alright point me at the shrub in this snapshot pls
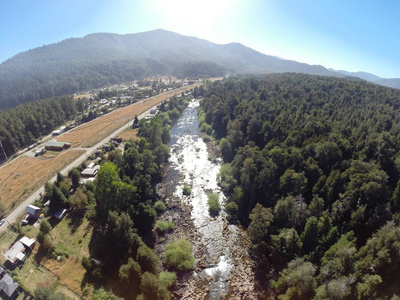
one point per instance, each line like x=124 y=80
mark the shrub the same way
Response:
x=206 y=128
x=206 y=139
x=162 y=226
x=232 y=209
x=187 y=190
x=160 y=207
x=178 y=255
x=167 y=279
x=213 y=204
x=147 y=259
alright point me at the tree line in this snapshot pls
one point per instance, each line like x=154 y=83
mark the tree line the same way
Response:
x=311 y=167
x=25 y=124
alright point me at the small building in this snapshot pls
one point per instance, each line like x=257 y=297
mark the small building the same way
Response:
x=118 y=140
x=16 y=253
x=27 y=242
x=59 y=131
x=90 y=172
x=33 y=211
x=60 y=213
x=8 y=285
x=56 y=146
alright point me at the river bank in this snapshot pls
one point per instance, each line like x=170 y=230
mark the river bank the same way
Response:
x=223 y=266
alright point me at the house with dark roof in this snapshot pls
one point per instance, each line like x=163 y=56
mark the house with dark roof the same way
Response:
x=8 y=285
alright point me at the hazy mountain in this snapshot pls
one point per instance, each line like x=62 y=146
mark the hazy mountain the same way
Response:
x=99 y=59
x=389 y=82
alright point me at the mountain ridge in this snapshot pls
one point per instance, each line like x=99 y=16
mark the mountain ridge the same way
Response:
x=98 y=59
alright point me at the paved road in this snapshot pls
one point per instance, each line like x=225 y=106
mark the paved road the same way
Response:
x=12 y=217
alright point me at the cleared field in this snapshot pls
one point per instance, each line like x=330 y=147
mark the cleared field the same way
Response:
x=69 y=272
x=93 y=132
x=32 y=276
x=82 y=96
x=25 y=174
x=129 y=134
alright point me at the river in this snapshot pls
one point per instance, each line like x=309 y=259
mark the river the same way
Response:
x=190 y=164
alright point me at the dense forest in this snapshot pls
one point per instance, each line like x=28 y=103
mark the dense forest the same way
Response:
x=311 y=168
x=24 y=124
x=122 y=207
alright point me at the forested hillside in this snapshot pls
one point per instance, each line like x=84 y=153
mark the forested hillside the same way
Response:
x=101 y=59
x=23 y=125
x=311 y=166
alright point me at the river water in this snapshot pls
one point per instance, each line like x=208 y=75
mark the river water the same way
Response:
x=190 y=164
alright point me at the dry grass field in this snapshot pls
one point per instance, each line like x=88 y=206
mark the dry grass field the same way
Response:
x=69 y=272
x=25 y=174
x=93 y=132
x=129 y=134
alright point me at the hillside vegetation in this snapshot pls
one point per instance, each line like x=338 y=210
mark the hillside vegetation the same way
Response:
x=313 y=165
x=101 y=59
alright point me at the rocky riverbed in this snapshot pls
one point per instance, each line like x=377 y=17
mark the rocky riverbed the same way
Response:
x=223 y=266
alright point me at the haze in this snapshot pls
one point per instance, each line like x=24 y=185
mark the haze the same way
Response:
x=353 y=36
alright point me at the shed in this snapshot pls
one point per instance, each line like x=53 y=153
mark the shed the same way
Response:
x=116 y=139
x=33 y=211
x=92 y=172
x=57 y=146
x=8 y=285
x=15 y=253
x=27 y=242
x=60 y=213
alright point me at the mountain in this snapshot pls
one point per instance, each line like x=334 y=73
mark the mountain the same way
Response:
x=389 y=82
x=99 y=59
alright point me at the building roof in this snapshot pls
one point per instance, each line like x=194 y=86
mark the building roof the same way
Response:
x=13 y=253
x=27 y=241
x=7 y=285
x=60 y=213
x=90 y=172
x=32 y=210
x=55 y=144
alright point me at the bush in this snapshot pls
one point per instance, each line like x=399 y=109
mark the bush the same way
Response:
x=187 y=190
x=147 y=259
x=178 y=255
x=232 y=209
x=162 y=226
x=206 y=128
x=160 y=207
x=167 y=279
x=206 y=139
x=213 y=204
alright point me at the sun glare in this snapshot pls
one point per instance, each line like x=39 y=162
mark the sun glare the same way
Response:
x=198 y=18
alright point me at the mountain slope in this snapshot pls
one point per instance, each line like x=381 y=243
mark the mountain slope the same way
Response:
x=389 y=82
x=99 y=59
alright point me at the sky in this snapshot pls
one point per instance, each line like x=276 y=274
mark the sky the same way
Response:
x=340 y=34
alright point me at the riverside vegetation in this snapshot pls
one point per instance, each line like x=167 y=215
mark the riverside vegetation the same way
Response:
x=311 y=167
x=122 y=208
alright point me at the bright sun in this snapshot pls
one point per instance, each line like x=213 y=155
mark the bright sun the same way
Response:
x=202 y=18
